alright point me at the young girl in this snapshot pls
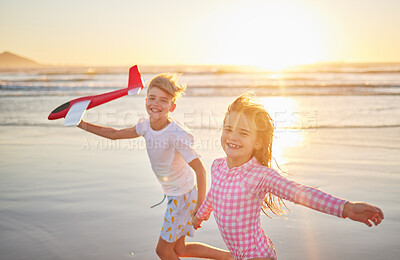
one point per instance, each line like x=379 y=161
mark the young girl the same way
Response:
x=243 y=184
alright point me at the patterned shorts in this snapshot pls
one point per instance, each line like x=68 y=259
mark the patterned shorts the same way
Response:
x=177 y=218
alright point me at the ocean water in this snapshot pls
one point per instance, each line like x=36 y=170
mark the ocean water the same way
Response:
x=317 y=79
x=313 y=96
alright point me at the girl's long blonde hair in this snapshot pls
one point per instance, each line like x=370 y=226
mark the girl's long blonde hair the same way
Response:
x=251 y=107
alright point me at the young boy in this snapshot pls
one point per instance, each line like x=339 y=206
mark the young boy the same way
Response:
x=172 y=159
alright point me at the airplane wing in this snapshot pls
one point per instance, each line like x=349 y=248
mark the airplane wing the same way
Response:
x=76 y=112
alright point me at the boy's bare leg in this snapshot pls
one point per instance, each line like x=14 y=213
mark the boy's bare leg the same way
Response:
x=165 y=250
x=200 y=250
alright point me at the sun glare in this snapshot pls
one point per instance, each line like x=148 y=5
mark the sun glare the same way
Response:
x=271 y=36
x=288 y=123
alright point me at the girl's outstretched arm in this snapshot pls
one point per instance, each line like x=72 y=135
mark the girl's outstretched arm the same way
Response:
x=304 y=195
x=363 y=212
x=109 y=132
x=318 y=200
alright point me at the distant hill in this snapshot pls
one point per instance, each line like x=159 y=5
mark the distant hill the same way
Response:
x=10 y=60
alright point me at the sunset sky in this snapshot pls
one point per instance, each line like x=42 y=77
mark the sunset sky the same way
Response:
x=253 y=32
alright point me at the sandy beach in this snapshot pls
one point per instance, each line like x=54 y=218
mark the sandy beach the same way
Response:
x=67 y=194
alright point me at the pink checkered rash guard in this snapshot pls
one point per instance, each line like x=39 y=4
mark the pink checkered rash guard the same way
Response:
x=236 y=196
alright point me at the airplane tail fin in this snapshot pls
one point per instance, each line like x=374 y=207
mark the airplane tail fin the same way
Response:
x=135 y=82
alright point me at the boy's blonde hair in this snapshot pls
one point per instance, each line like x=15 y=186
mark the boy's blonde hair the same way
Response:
x=169 y=83
x=249 y=105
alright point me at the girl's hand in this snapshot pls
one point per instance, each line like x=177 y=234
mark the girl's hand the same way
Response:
x=363 y=212
x=196 y=222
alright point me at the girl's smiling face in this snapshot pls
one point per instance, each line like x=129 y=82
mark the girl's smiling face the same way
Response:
x=159 y=104
x=239 y=138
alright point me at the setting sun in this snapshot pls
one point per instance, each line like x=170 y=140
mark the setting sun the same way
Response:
x=270 y=36
x=266 y=34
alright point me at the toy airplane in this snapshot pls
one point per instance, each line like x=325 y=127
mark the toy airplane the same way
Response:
x=73 y=110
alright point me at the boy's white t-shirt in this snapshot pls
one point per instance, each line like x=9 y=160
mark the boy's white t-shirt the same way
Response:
x=170 y=150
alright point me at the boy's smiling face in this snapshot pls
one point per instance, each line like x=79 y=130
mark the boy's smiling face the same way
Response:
x=159 y=104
